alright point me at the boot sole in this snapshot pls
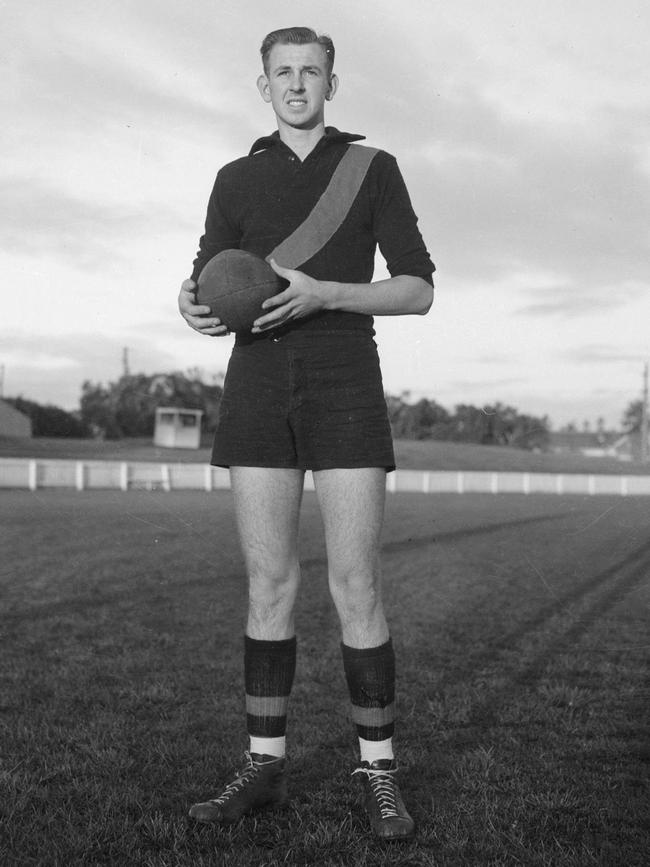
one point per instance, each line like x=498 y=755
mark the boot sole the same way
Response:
x=270 y=807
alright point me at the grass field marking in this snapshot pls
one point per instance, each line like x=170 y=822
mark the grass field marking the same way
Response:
x=635 y=562
x=531 y=671
x=540 y=575
x=148 y=523
x=594 y=521
x=626 y=576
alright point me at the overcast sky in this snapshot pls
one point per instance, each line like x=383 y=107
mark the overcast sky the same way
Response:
x=522 y=129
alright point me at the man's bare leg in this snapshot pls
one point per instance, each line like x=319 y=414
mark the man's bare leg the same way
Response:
x=352 y=506
x=267 y=508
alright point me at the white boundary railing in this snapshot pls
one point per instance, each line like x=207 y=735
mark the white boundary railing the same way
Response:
x=33 y=474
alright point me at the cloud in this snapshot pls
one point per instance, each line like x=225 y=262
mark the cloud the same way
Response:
x=483 y=385
x=53 y=370
x=601 y=353
x=498 y=190
x=148 y=64
x=110 y=90
x=580 y=301
x=494 y=358
x=38 y=219
x=74 y=350
x=507 y=196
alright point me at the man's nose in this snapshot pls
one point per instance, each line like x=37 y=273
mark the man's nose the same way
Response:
x=297 y=83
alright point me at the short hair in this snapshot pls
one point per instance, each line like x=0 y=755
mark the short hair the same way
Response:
x=297 y=36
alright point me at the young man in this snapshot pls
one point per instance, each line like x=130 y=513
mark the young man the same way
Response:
x=303 y=391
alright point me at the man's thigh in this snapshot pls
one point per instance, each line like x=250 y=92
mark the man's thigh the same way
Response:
x=352 y=508
x=267 y=507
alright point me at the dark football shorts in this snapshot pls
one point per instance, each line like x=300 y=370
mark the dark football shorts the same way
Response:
x=308 y=399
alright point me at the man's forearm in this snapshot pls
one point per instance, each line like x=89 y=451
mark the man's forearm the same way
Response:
x=393 y=297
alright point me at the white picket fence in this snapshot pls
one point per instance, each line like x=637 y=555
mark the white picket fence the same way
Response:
x=33 y=474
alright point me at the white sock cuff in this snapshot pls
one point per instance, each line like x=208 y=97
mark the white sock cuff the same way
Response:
x=373 y=750
x=269 y=746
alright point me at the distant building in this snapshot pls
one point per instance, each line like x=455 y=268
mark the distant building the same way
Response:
x=14 y=423
x=589 y=444
x=598 y=444
x=628 y=447
x=177 y=428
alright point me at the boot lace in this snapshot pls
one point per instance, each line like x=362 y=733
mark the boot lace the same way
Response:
x=247 y=773
x=384 y=788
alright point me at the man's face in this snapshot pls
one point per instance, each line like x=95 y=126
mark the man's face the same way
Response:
x=297 y=84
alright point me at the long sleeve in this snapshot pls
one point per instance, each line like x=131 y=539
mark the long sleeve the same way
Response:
x=220 y=234
x=395 y=224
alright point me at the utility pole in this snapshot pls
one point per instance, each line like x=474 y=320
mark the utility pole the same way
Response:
x=125 y=361
x=644 y=416
x=2 y=381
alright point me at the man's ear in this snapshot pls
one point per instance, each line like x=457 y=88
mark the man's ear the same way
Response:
x=334 y=84
x=263 y=87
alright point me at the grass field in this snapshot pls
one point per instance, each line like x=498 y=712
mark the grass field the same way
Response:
x=521 y=629
x=410 y=455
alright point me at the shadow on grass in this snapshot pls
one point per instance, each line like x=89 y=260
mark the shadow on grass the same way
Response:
x=627 y=575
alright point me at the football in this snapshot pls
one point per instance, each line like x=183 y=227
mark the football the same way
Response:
x=233 y=284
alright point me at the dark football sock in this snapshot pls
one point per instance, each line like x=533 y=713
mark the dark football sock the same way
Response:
x=269 y=668
x=370 y=674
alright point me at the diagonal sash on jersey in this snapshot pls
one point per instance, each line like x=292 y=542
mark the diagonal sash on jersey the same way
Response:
x=328 y=213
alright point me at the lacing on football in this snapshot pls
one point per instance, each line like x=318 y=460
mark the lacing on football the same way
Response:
x=384 y=789
x=245 y=775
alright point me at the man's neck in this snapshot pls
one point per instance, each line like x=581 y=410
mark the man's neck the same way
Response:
x=301 y=141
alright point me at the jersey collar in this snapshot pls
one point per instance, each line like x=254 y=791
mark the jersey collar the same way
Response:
x=332 y=136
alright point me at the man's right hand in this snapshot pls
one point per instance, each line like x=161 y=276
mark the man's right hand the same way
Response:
x=196 y=315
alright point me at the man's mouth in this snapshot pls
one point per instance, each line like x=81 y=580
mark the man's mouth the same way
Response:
x=297 y=101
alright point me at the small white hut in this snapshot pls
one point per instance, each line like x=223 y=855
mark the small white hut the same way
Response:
x=177 y=428
x=14 y=423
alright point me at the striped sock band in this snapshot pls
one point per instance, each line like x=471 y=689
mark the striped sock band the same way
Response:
x=269 y=667
x=370 y=674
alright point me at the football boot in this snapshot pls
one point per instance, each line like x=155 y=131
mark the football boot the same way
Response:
x=389 y=818
x=260 y=784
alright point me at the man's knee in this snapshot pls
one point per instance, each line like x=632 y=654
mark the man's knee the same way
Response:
x=356 y=587
x=271 y=601
x=271 y=583
x=273 y=586
x=357 y=597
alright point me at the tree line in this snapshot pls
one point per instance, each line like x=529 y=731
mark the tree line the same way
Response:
x=127 y=408
x=493 y=424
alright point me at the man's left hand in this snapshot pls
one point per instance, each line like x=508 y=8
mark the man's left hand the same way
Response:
x=302 y=297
